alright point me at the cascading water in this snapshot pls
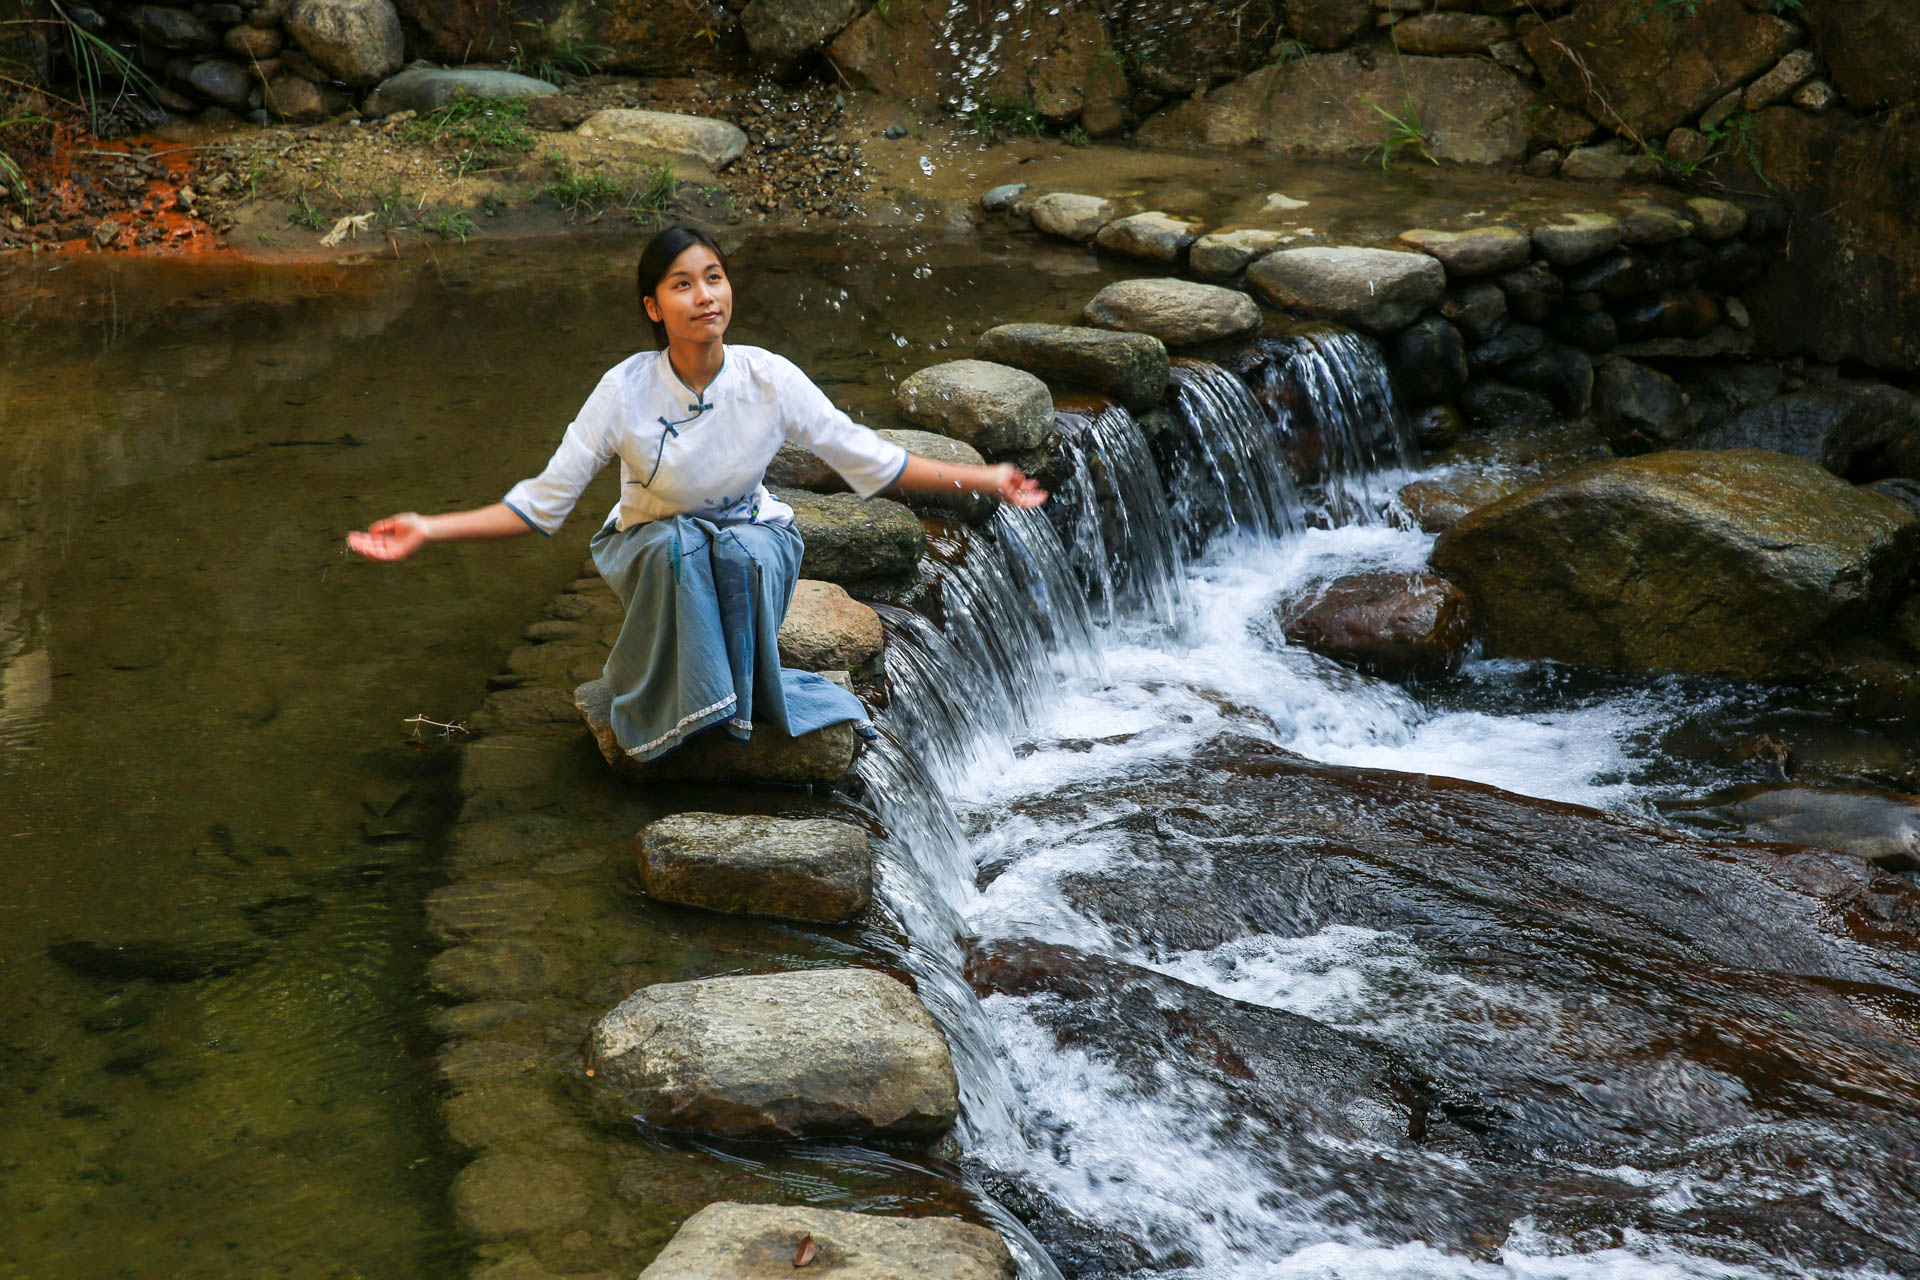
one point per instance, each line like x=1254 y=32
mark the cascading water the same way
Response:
x=1157 y=1032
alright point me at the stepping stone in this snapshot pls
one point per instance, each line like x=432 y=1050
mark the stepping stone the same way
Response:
x=1071 y=216
x=823 y=1052
x=797 y=869
x=1379 y=290
x=1220 y=254
x=821 y=758
x=854 y=539
x=1483 y=251
x=1132 y=367
x=714 y=143
x=993 y=407
x=963 y=504
x=728 y=1241
x=423 y=89
x=1156 y=237
x=828 y=630
x=1180 y=313
x=1573 y=238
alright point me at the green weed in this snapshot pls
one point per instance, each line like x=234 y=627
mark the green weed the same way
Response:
x=95 y=62
x=1075 y=137
x=1400 y=132
x=10 y=175
x=448 y=226
x=304 y=214
x=551 y=55
x=1006 y=117
x=580 y=193
x=482 y=133
x=653 y=199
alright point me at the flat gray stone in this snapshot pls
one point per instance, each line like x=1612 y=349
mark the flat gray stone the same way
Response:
x=1071 y=216
x=847 y=1052
x=1132 y=367
x=1221 y=254
x=728 y=1241
x=828 y=630
x=821 y=758
x=1155 y=237
x=1181 y=313
x=1379 y=290
x=1573 y=238
x=1482 y=251
x=793 y=868
x=714 y=143
x=1001 y=198
x=993 y=407
x=424 y=89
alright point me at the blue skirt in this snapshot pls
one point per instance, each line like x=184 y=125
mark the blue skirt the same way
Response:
x=700 y=644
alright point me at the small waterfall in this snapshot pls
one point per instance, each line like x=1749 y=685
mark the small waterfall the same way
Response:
x=1334 y=388
x=1124 y=545
x=1223 y=471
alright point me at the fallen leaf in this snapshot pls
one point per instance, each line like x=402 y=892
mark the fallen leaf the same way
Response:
x=804 y=1254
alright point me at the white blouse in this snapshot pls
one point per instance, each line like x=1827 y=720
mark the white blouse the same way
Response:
x=682 y=454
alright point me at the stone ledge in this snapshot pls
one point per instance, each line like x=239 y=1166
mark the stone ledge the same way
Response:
x=727 y=1241
x=821 y=758
x=797 y=869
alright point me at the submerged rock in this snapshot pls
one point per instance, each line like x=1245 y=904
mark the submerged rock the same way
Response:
x=993 y=407
x=1180 y=313
x=853 y=539
x=821 y=758
x=1132 y=367
x=1727 y=563
x=505 y=1194
x=154 y=961
x=1392 y=624
x=828 y=630
x=1874 y=825
x=797 y=869
x=841 y=1052
x=1379 y=290
x=728 y=1241
x=714 y=143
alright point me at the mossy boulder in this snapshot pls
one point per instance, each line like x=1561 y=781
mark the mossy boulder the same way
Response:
x=1733 y=563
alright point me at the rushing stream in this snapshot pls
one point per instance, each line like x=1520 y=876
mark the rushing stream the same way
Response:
x=1239 y=1014
x=1252 y=966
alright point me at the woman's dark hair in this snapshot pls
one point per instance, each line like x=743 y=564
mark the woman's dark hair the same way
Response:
x=658 y=256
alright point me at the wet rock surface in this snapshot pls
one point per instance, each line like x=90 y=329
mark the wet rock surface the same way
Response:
x=797 y=869
x=853 y=539
x=828 y=630
x=846 y=1052
x=1391 y=624
x=1130 y=366
x=1379 y=290
x=1873 y=825
x=963 y=504
x=993 y=407
x=1181 y=313
x=1731 y=563
x=743 y=1242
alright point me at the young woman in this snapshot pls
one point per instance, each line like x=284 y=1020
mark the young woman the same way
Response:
x=701 y=555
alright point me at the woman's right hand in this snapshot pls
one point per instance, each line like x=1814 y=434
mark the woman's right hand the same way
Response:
x=394 y=538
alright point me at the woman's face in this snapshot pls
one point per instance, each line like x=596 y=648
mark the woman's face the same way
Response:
x=694 y=300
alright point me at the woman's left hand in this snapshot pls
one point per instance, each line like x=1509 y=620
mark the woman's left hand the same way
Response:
x=1012 y=485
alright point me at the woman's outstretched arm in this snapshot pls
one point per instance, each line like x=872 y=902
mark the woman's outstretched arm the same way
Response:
x=399 y=536
x=1003 y=480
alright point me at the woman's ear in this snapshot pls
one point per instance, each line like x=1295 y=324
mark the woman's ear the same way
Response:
x=653 y=308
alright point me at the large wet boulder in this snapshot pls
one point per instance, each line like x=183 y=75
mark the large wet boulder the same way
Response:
x=821 y=758
x=727 y=1241
x=853 y=539
x=1379 y=290
x=783 y=34
x=714 y=143
x=358 y=41
x=1181 y=313
x=1661 y=69
x=1132 y=367
x=1732 y=563
x=823 y=1052
x=993 y=407
x=1472 y=111
x=828 y=630
x=1875 y=825
x=1392 y=624
x=423 y=89
x=1858 y=430
x=793 y=868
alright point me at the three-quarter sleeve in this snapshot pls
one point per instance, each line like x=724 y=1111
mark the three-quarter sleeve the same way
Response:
x=591 y=440
x=866 y=462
